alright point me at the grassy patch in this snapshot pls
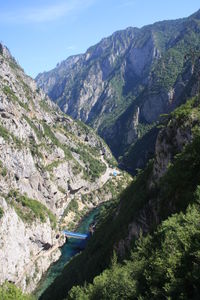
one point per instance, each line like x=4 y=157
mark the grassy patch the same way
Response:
x=53 y=165
x=61 y=189
x=34 y=127
x=49 y=133
x=29 y=209
x=3 y=170
x=11 y=95
x=6 y=135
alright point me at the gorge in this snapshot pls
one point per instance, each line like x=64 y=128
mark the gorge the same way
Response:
x=139 y=90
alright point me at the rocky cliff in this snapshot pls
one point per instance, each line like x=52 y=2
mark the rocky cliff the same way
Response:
x=121 y=85
x=47 y=160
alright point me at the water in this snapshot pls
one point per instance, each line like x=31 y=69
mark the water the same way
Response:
x=71 y=248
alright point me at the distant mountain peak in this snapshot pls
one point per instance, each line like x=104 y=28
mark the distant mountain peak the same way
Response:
x=5 y=51
x=196 y=15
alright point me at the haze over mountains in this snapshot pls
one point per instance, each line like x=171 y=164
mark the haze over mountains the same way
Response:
x=121 y=85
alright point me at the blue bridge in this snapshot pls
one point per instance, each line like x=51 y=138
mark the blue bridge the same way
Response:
x=75 y=235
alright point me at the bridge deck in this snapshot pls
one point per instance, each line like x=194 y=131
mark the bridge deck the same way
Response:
x=75 y=235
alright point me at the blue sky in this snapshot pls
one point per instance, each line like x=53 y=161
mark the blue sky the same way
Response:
x=41 y=33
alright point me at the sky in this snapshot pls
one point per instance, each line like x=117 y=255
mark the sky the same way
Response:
x=41 y=33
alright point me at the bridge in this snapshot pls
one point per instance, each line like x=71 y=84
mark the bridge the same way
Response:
x=75 y=235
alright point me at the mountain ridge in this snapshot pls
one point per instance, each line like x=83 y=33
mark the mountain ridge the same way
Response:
x=139 y=68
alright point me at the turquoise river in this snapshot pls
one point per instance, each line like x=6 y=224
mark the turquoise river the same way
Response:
x=71 y=248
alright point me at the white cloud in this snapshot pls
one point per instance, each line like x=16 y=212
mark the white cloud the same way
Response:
x=45 y=13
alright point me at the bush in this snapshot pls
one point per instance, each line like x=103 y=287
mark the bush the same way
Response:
x=164 y=265
x=9 y=291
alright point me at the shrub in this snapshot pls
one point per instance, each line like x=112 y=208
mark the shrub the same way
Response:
x=9 y=291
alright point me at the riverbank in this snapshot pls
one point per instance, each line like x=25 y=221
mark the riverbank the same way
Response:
x=68 y=251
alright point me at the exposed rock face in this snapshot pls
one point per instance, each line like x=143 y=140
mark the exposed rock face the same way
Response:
x=178 y=132
x=170 y=142
x=134 y=68
x=46 y=160
x=19 y=247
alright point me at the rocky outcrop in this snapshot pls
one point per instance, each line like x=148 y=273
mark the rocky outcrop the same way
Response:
x=179 y=130
x=20 y=247
x=132 y=69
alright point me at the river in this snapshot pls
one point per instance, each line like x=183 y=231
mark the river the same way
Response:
x=71 y=248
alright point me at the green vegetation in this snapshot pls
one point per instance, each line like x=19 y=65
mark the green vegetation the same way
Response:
x=44 y=105
x=7 y=136
x=85 y=129
x=14 y=65
x=49 y=133
x=3 y=170
x=34 y=127
x=111 y=161
x=1 y=212
x=9 y=93
x=53 y=165
x=164 y=265
x=94 y=166
x=72 y=206
x=61 y=189
x=35 y=149
x=78 y=215
x=140 y=152
x=4 y=133
x=9 y=291
x=27 y=91
x=30 y=209
x=187 y=113
x=167 y=69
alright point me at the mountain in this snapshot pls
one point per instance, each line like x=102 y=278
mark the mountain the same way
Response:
x=47 y=163
x=146 y=244
x=121 y=85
